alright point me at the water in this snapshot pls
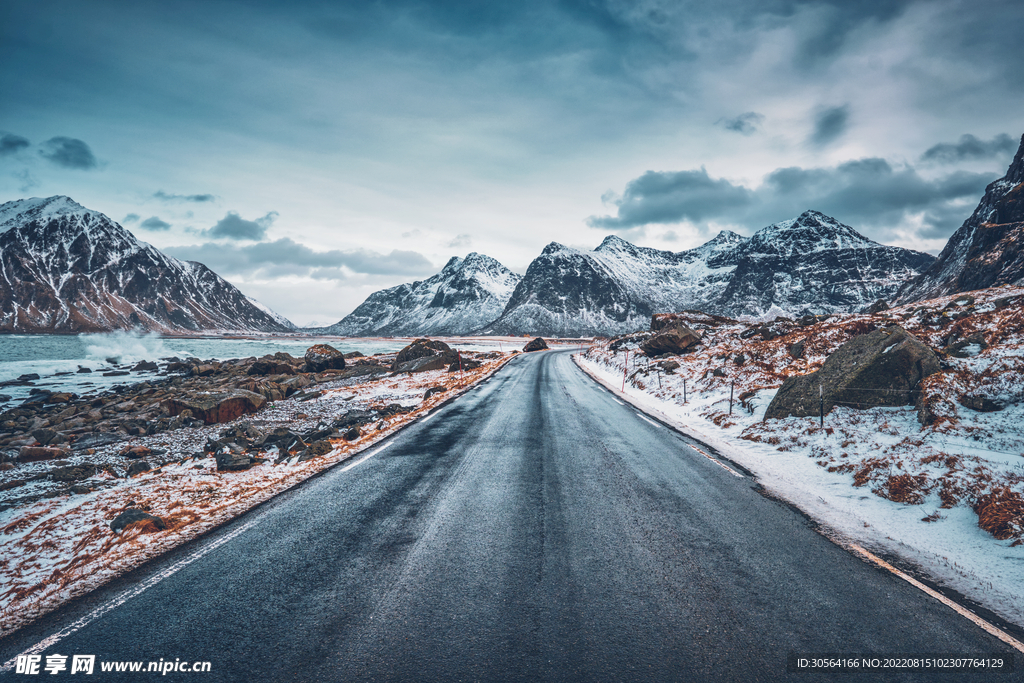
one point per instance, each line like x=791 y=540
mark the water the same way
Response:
x=47 y=355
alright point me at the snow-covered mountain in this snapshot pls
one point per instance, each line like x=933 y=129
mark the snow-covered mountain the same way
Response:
x=811 y=263
x=815 y=264
x=615 y=288
x=467 y=294
x=68 y=269
x=987 y=250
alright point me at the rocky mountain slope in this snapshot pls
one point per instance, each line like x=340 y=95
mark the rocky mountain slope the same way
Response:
x=467 y=294
x=987 y=250
x=67 y=269
x=615 y=288
x=815 y=264
x=810 y=264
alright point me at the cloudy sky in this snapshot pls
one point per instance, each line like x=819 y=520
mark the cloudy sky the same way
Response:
x=312 y=153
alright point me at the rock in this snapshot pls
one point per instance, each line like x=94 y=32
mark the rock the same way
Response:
x=320 y=357
x=138 y=467
x=353 y=354
x=423 y=364
x=113 y=360
x=96 y=440
x=877 y=307
x=30 y=377
x=354 y=418
x=424 y=348
x=136 y=452
x=967 y=347
x=84 y=370
x=432 y=391
x=982 y=404
x=61 y=397
x=73 y=472
x=271 y=366
x=669 y=366
x=740 y=359
x=718 y=372
x=4 y=398
x=229 y=460
x=35 y=453
x=116 y=373
x=80 y=489
x=394 y=409
x=217 y=408
x=796 y=350
x=352 y=434
x=13 y=484
x=316 y=449
x=535 y=344
x=674 y=341
x=44 y=435
x=881 y=368
x=132 y=515
x=464 y=364
x=145 y=366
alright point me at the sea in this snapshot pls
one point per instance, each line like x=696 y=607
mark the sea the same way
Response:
x=58 y=358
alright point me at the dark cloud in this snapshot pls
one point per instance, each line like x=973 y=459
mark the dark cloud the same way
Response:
x=234 y=227
x=869 y=194
x=131 y=218
x=199 y=198
x=154 y=223
x=10 y=143
x=969 y=147
x=670 y=197
x=829 y=124
x=69 y=153
x=285 y=257
x=747 y=123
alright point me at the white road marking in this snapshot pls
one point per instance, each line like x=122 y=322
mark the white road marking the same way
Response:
x=959 y=609
x=428 y=417
x=126 y=596
x=716 y=461
x=618 y=401
x=366 y=457
x=651 y=422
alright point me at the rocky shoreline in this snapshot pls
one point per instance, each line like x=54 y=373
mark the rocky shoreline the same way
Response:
x=59 y=443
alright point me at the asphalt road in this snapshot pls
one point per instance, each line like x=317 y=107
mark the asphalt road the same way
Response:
x=536 y=529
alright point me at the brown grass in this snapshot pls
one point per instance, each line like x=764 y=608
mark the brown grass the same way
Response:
x=1001 y=513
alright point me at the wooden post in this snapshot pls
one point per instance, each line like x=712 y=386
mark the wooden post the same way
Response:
x=821 y=406
x=684 y=390
x=461 y=379
x=625 y=369
x=731 y=388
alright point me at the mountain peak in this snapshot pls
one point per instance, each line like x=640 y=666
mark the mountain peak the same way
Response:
x=41 y=209
x=811 y=231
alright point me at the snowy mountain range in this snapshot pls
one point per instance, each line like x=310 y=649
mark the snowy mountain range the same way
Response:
x=810 y=264
x=67 y=269
x=467 y=294
x=987 y=250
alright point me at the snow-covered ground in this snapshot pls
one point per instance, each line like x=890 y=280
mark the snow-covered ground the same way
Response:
x=876 y=477
x=59 y=548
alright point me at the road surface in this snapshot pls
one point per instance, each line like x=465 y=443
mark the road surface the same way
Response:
x=536 y=529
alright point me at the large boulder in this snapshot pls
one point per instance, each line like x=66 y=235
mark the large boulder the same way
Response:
x=217 y=408
x=535 y=344
x=423 y=364
x=881 y=368
x=320 y=357
x=423 y=348
x=672 y=340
